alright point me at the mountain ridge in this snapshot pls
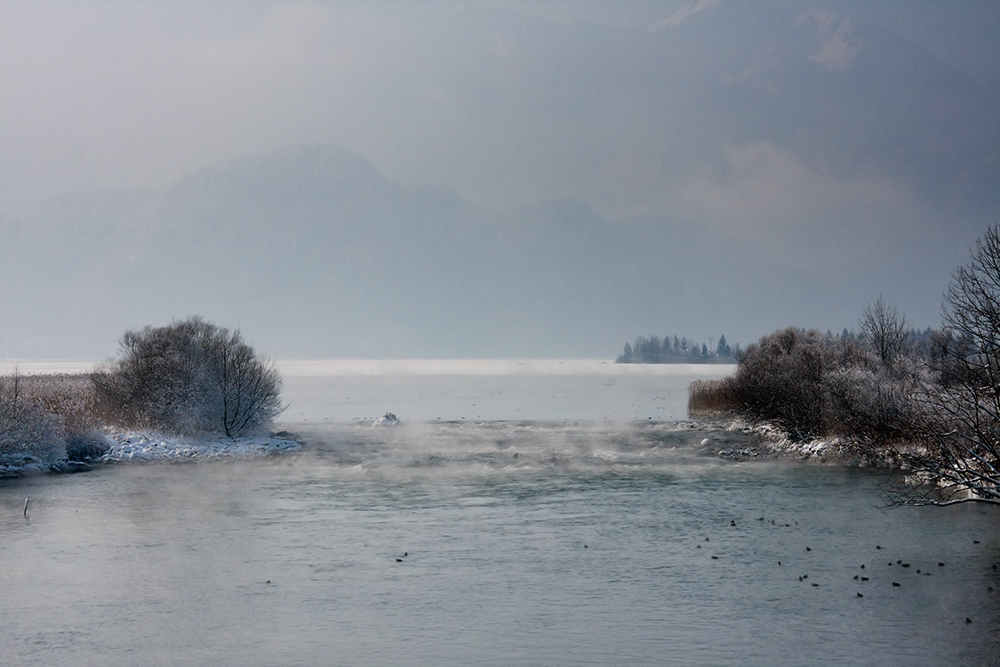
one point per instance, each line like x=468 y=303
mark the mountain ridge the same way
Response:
x=742 y=170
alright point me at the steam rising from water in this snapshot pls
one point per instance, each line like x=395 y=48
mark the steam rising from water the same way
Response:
x=511 y=451
x=488 y=543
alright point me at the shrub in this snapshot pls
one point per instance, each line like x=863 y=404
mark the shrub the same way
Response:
x=780 y=379
x=189 y=377
x=26 y=426
x=876 y=407
x=813 y=385
x=86 y=445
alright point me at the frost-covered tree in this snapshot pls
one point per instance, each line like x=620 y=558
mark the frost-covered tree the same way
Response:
x=189 y=377
x=248 y=386
x=884 y=329
x=780 y=379
x=962 y=460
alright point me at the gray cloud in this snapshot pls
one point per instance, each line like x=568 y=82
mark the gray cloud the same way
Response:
x=682 y=14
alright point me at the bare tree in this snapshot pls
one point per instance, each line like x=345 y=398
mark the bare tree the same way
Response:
x=247 y=385
x=884 y=329
x=960 y=461
x=189 y=377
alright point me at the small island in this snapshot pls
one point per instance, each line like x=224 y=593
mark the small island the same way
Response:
x=667 y=350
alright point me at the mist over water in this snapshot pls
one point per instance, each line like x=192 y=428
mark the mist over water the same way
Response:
x=491 y=541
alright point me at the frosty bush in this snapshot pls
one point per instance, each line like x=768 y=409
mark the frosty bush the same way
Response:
x=875 y=406
x=928 y=402
x=189 y=377
x=780 y=378
x=812 y=384
x=26 y=426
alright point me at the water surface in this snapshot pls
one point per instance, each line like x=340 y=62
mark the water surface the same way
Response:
x=555 y=541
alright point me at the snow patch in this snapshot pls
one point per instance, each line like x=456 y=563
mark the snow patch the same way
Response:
x=388 y=419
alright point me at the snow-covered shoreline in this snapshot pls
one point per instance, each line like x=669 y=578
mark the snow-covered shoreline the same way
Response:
x=148 y=447
x=774 y=443
x=833 y=450
x=145 y=447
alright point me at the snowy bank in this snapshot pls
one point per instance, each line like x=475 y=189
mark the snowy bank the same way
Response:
x=835 y=450
x=741 y=440
x=21 y=465
x=135 y=447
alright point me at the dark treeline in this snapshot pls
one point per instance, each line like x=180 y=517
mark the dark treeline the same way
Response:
x=654 y=350
x=925 y=403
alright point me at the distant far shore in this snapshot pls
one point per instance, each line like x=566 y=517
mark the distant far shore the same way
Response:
x=374 y=367
x=485 y=367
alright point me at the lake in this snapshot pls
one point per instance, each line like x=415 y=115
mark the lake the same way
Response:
x=524 y=513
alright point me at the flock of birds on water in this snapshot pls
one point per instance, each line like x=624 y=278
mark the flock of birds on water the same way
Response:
x=860 y=577
x=732 y=523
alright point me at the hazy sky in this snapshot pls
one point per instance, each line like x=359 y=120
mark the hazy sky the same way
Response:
x=513 y=103
x=107 y=94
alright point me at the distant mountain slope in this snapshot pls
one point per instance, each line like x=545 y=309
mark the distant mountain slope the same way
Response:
x=314 y=253
x=317 y=237
x=312 y=249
